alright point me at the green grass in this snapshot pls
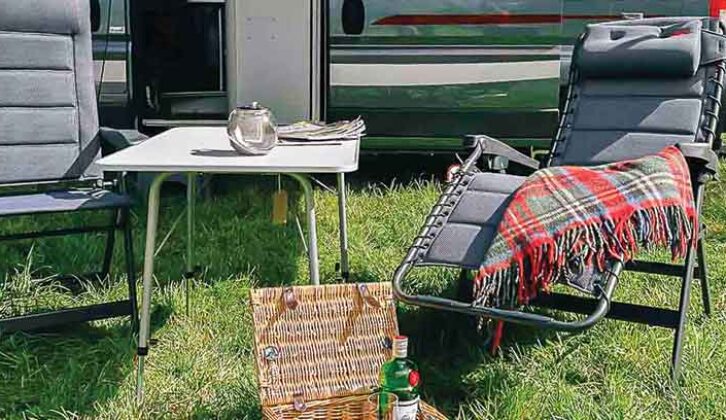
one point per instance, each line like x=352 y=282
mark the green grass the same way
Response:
x=203 y=367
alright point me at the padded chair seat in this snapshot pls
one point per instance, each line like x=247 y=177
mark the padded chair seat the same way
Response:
x=470 y=226
x=61 y=201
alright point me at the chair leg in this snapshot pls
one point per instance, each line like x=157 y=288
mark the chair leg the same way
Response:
x=705 y=292
x=130 y=267
x=110 y=241
x=682 y=313
x=465 y=289
x=685 y=296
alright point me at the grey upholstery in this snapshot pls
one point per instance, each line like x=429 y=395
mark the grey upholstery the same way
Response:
x=59 y=201
x=618 y=119
x=630 y=114
x=49 y=134
x=467 y=230
x=610 y=117
x=48 y=117
x=618 y=50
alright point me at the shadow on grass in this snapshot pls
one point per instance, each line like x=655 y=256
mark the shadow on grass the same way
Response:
x=446 y=345
x=449 y=347
x=74 y=368
x=234 y=233
x=239 y=413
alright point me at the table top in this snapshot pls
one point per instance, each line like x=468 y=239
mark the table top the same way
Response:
x=207 y=149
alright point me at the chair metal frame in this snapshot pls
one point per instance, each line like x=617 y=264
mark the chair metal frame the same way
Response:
x=119 y=221
x=601 y=305
x=35 y=174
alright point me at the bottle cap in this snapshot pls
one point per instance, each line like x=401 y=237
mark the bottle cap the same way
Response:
x=400 y=346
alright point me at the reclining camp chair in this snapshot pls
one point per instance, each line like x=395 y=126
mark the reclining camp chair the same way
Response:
x=49 y=139
x=635 y=87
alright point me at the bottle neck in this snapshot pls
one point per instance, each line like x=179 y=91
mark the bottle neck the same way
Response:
x=400 y=347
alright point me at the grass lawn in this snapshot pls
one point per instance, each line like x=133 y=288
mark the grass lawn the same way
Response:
x=203 y=367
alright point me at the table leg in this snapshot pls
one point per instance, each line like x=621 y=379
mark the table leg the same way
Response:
x=152 y=218
x=312 y=229
x=191 y=205
x=343 y=221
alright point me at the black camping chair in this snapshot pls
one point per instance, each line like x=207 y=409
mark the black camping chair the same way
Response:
x=50 y=139
x=635 y=87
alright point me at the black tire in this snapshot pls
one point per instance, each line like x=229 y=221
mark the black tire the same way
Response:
x=353 y=17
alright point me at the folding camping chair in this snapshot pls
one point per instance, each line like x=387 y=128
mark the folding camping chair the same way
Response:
x=635 y=87
x=49 y=139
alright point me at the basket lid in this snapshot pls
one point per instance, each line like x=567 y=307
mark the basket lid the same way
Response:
x=320 y=342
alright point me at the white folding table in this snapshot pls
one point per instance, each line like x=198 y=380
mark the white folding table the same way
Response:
x=195 y=150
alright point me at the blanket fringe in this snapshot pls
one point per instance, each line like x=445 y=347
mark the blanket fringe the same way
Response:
x=567 y=256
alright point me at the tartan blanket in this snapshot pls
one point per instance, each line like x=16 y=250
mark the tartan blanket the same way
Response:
x=565 y=224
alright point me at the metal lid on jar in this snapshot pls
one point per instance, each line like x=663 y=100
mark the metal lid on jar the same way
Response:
x=252 y=106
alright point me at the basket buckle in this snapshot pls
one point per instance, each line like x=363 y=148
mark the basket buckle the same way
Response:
x=288 y=297
x=298 y=403
x=271 y=353
x=365 y=294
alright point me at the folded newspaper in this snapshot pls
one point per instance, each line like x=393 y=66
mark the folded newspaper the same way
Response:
x=309 y=131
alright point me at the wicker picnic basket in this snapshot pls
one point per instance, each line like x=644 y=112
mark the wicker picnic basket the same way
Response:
x=319 y=349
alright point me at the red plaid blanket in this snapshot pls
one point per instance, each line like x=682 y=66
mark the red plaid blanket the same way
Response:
x=564 y=224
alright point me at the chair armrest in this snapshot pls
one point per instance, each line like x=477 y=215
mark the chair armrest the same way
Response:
x=491 y=146
x=113 y=140
x=701 y=159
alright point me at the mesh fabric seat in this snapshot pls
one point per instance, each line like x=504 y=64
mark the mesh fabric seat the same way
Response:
x=62 y=201
x=635 y=87
x=469 y=226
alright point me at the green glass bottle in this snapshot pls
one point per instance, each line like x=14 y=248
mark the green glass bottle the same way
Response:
x=400 y=376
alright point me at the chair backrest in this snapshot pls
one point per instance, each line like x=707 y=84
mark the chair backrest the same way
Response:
x=638 y=86
x=48 y=116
